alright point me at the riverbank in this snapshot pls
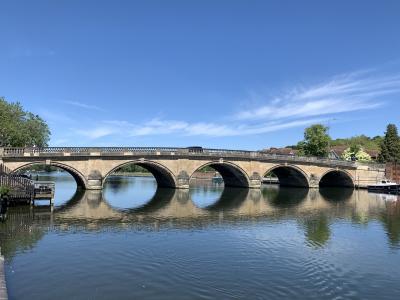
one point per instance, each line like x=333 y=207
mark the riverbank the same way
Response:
x=133 y=174
x=196 y=175
x=3 y=287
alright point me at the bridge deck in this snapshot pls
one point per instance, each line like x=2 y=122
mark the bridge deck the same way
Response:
x=171 y=152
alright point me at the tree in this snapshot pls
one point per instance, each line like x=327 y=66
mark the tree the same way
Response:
x=357 y=152
x=390 y=145
x=20 y=128
x=316 y=141
x=363 y=141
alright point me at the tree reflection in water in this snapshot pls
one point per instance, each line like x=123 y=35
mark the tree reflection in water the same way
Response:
x=313 y=210
x=317 y=231
x=286 y=197
x=117 y=183
x=336 y=194
x=391 y=222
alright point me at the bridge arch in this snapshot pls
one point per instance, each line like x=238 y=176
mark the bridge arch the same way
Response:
x=232 y=174
x=289 y=175
x=77 y=175
x=337 y=178
x=164 y=177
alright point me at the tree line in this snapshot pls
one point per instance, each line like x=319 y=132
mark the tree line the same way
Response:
x=21 y=128
x=317 y=142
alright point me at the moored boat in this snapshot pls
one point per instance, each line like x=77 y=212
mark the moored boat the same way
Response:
x=385 y=186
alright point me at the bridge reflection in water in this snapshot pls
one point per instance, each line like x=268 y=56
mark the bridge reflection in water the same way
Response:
x=167 y=204
x=313 y=210
x=205 y=242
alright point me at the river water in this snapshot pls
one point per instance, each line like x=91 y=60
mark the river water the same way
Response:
x=134 y=241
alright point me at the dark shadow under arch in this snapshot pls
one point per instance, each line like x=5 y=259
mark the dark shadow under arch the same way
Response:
x=160 y=199
x=289 y=176
x=336 y=194
x=75 y=199
x=232 y=175
x=283 y=197
x=79 y=178
x=163 y=176
x=230 y=198
x=336 y=178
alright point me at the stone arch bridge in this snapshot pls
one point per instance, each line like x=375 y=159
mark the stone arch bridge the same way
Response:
x=174 y=167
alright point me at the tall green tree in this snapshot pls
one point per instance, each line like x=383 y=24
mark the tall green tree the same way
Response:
x=390 y=145
x=20 y=128
x=316 y=141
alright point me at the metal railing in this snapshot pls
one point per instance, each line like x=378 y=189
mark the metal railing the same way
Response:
x=20 y=187
x=176 y=151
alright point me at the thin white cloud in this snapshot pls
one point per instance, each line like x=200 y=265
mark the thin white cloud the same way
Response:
x=346 y=93
x=298 y=107
x=97 y=132
x=54 y=117
x=83 y=105
x=167 y=127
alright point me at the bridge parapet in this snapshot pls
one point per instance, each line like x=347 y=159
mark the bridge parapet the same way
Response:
x=169 y=151
x=173 y=167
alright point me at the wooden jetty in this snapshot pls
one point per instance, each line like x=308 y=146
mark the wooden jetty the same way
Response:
x=44 y=190
x=22 y=189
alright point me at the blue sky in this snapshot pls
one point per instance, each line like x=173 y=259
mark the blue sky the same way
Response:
x=221 y=74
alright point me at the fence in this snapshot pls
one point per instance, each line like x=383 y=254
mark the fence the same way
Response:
x=187 y=152
x=393 y=171
x=20 y=187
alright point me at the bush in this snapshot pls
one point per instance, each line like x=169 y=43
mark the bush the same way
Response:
x=4 y=191
x=357 y=152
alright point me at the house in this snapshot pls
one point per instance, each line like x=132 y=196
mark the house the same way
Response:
x=280 y=151
x=336 y=152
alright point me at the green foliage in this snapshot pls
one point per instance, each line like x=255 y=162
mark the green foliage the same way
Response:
x=4 y=191
x=20 y=128
x=355 y=148
x=316 y=141
x=39 y=168
x=357 y=152
x=390 y=145
x=391 y=222
x=361 y=141
x=132 y=168
x=317 y=231
x=206 y=169
x=270 y=174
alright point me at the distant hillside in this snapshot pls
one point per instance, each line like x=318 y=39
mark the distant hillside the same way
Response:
x=366 y=142
x=360 y=140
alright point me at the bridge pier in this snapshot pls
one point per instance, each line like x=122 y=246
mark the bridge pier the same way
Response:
x=255 y=181
x=94 y=185
x=94 y=181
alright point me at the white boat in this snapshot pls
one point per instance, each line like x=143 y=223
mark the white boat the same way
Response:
x=385 y=186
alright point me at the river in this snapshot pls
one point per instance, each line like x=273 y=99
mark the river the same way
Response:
x=134 y=241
